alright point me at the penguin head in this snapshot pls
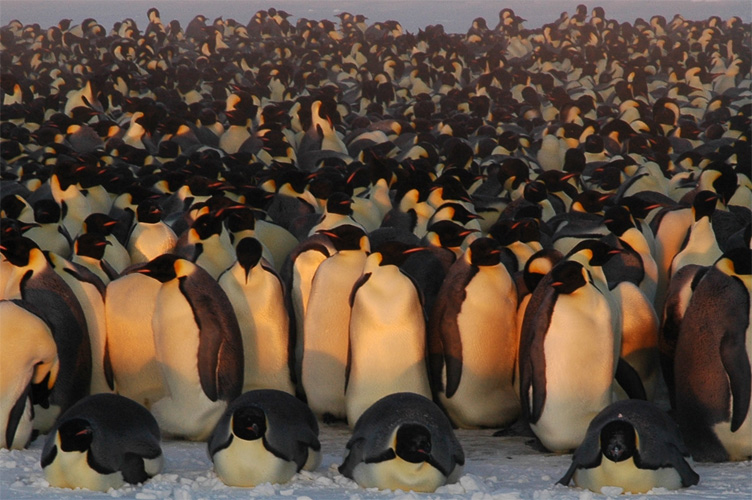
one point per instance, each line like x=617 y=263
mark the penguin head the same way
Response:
x=395 y=253
x=161 y=268
x=91 y=245
x=347 y=237
x=538 y=265
x=99 y=223
x=484 y=252
x=618 y=220
x=448 y=233
x=249 y=252
x=704 y=204
x=75 y=435
x=206 y=226
x=568 y=276
x=596 y=252
x=339 y=203
x=249 y=423
x=240 y=218
x=413 y=443
x=47 y=211
x=17 y=250
x=618 y=441
x=149 y=211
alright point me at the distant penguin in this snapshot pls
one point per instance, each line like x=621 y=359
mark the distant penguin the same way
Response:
x=129 y=308
x=327 y=322
x=150 y=236
x=403 y=441
x=207 y=243
x=28 y=356
x=102 y=442
x=88 y=252
x=114 y=253
x=387 y=347
x=257 y=296
x=632 y=445
x=476 y=340
x=264 y=436
x=198 y=347
x=567 y=324
x=35 y=282
x=713 y=403
x=50 y=234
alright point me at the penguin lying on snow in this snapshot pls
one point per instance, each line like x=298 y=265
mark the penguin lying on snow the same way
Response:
x=264 y=436
x=403 y=441
x=633 y=445
x=102 y=442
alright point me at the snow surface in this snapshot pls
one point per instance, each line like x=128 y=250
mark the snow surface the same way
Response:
x=501 y=468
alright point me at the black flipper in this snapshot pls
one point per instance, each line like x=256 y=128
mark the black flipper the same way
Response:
x=133 y=469
x=15 y=415
x=629 y=380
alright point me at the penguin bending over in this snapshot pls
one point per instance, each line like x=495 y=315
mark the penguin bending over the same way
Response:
x=403 y=441
x=633 y=445
x=102 y=442
x=264 y=436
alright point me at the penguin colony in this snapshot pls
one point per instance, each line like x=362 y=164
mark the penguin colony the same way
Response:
x=520 y=225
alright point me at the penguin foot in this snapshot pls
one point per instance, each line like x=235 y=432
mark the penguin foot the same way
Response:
x=536 y=445
x=330 y=419
x=518 y=428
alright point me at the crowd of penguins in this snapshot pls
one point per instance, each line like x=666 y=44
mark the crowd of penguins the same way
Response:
x=351 y=222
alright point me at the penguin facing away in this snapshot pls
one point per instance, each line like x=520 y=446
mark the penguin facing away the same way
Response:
x=387 y=338
x=264 y=436
x=327 y=320
x=476 y=339
x=257 y=296
x=634 y=445
x=102 y=442
x=198 y=347
x=403 y=441
x=28 y=356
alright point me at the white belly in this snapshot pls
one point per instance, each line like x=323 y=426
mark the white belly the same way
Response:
x=397 y=474
x=248 y=463
x=627 y=476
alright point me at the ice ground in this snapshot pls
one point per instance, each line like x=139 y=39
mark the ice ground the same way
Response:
x=502 y=468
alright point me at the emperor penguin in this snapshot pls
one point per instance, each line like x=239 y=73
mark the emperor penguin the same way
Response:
x=473 y=341
x=713 y=404
x=34 y=281
x=632 y=445
x=104 y=441
x=129 y=309
x=327 y=322
x=150 y=236
x=387 y=348
x=701 y=246
x=114 y=253
x=298 y=272
x=207 y=243
x=49 y=232
x=257 y=297
x=28 y=356
x=403 y=441
x=264 y=436
x=567 y=323
x=198 y=347
x=90 y=292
